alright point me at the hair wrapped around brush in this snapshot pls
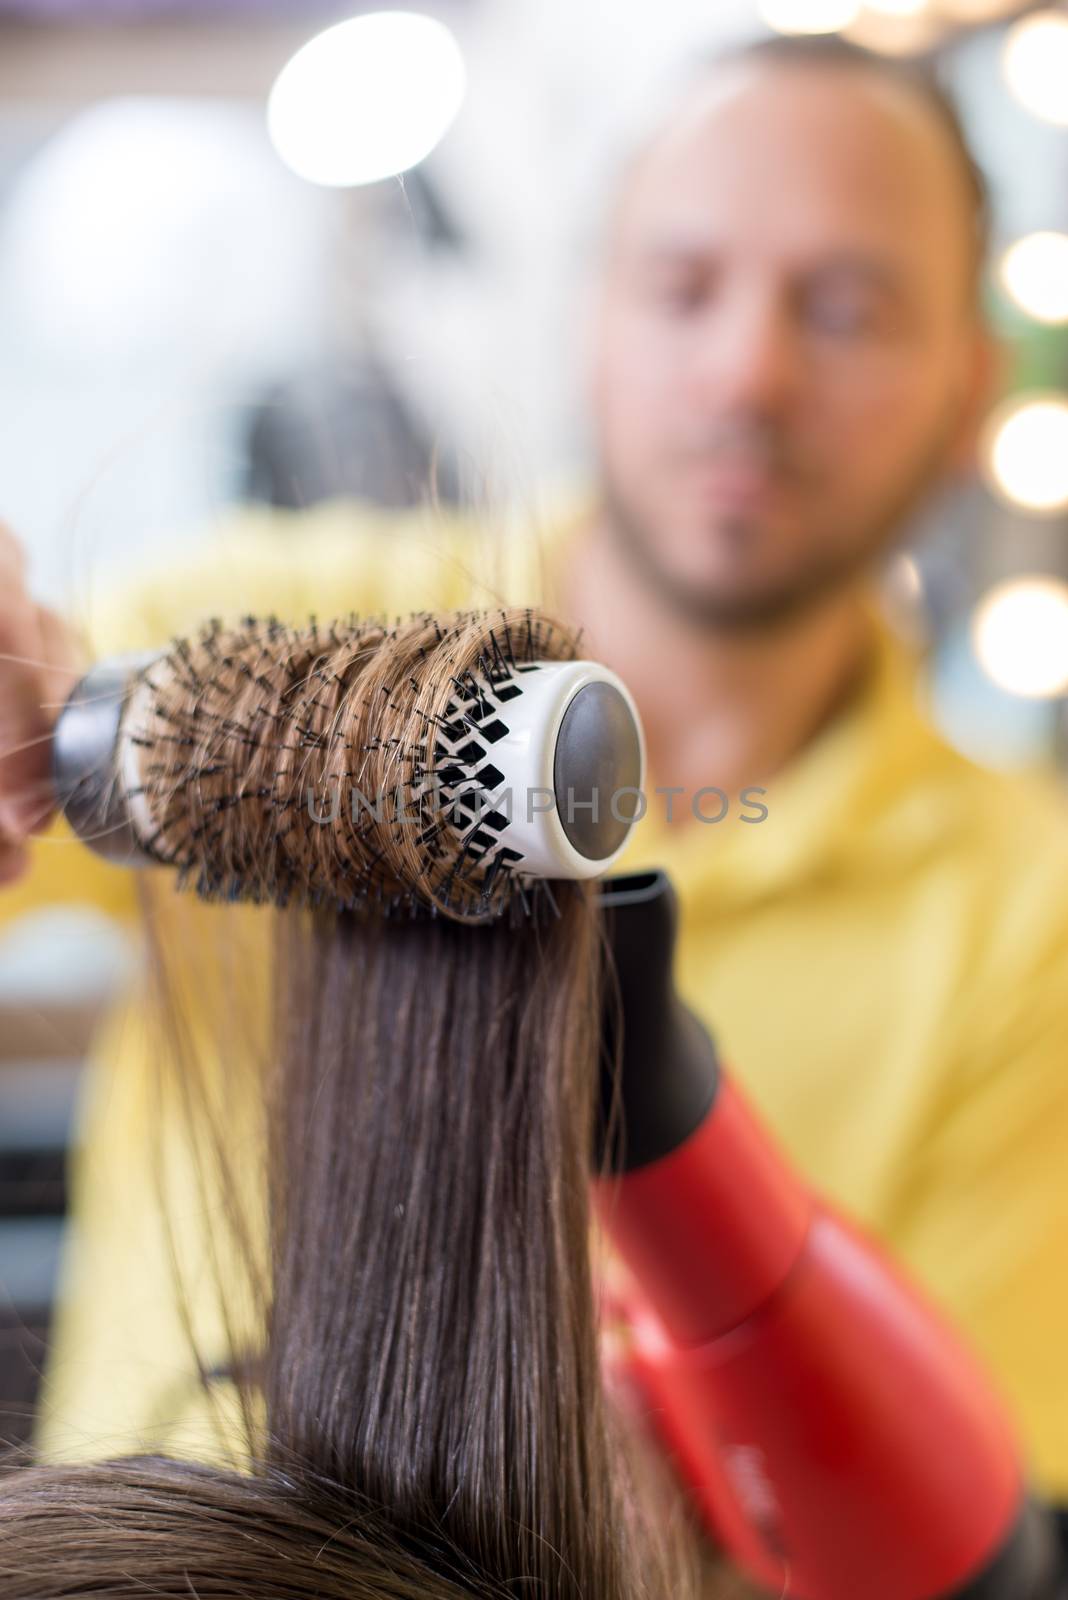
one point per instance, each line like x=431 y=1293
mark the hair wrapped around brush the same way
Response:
x=430 y=1416
x=252 y=738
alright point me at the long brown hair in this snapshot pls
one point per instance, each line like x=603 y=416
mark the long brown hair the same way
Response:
x=425 y=1413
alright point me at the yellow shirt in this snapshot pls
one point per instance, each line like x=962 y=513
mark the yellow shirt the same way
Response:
x=883 y=959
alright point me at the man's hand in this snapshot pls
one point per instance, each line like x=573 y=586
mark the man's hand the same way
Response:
x=40 y=661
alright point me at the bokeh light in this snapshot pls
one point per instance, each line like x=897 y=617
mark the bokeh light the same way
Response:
x=1035 y=63
x=1026 y=452
x=809 y=16
x=1020 y=636
x=104 y=261
x=366 y=99
x=1035 y=273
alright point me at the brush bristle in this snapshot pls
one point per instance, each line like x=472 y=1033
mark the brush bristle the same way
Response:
x=338 y=764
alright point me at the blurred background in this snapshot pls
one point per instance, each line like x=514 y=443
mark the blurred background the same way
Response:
x=201 y=306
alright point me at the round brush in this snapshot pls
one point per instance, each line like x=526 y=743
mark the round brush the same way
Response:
x=441 y=763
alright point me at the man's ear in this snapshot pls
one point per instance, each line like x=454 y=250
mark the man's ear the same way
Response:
x=986 y=366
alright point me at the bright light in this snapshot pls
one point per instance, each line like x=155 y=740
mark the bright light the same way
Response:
x=1035 y=63
x=896 y=8
x=1020 y=636
x=366 y=99
x=1027 y=452
x=138 y=234
x=1035 y=273
x=809 y=16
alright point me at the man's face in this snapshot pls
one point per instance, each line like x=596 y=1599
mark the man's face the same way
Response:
x=786 y=350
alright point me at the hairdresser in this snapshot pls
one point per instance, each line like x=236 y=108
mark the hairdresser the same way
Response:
x=788 y=357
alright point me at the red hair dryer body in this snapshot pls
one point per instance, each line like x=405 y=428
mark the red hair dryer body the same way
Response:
x=839 y=1440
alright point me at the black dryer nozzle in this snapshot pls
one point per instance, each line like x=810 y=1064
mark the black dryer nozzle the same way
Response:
x=668 y=1068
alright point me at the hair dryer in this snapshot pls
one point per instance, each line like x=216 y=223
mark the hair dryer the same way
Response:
x=839 y=1438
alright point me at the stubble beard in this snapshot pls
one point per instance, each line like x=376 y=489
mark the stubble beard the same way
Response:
x=785 y=601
